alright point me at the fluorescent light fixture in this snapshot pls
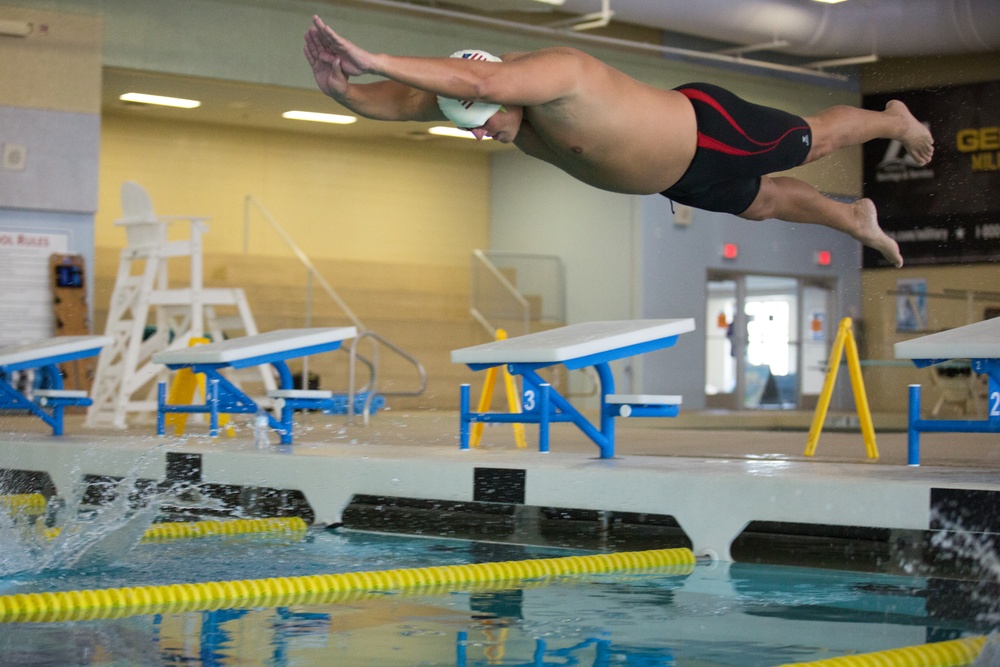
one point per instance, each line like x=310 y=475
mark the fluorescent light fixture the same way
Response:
x=316 y=117
x=831 y=2
x=160 y=100
x=446 y=131
x=14 y=28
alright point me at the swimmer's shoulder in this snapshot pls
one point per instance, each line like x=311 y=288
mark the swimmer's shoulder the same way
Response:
x=547 y=52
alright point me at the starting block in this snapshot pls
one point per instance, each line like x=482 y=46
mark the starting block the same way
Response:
x=44 y=357
x=979 y=343
x=274 y=348
x=576 y=346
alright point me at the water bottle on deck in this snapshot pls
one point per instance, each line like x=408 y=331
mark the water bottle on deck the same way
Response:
x=260 y=428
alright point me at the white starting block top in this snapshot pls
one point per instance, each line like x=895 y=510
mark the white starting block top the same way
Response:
x=571 y=342
x=642 y=399
x=973 y=341
x=272 y=343
x=51 y=348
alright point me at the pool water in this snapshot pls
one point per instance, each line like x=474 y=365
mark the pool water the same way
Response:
x=262 y=555
x=719 y=614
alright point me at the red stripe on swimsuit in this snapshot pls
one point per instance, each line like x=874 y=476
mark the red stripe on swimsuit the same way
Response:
x=710 y=143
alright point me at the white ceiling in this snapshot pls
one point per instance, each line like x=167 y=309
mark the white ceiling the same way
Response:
x=809 y=29
x=816 y=29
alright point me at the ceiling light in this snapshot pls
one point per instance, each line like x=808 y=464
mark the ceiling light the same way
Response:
x=316 y=117
x=831 y=2
x=14 y=28
x=143 y=98
x=445 y=131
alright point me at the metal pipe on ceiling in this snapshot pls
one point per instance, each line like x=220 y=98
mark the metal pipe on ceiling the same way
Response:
x=612 y=42
x=888 y=28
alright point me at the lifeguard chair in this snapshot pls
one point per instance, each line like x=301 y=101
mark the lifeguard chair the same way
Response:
x=147 y=315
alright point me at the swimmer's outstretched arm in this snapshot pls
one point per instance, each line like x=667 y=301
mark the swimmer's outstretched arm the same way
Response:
x=334 y=61
x=523 y=78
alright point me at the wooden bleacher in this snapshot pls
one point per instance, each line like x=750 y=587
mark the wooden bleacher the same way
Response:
x=421 y=308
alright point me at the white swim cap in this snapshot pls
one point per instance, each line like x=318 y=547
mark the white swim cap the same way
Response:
x=464 y=113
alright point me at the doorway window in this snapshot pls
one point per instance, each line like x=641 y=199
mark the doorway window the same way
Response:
x=765 y=342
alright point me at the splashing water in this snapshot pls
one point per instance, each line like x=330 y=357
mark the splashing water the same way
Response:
x=103 y=537
x=81 y=536
x=958 y=542
x=962 y=544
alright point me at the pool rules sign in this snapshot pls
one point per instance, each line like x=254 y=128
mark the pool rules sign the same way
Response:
x=25 y=285
x=948 y=211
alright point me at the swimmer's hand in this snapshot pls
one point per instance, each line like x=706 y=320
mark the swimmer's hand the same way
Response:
x=329 y=75
x=334 y=57
x=325 y=51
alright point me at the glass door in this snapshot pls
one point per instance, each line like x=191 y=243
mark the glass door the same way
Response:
x=771 y=307
x=766 y=341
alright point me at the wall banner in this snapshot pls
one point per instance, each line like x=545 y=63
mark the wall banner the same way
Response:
x=911 y=305
x=948 y=211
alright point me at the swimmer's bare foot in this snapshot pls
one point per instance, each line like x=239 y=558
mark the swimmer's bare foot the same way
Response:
x=917 y=138
x=871 y=234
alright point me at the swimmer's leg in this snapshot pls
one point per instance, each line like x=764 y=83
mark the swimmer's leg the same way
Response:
x=793 y=200
x=841 y=126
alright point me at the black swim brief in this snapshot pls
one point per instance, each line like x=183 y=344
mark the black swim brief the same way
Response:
x=738 y=142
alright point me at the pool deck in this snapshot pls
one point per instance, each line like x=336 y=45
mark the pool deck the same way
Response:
x=713 y=481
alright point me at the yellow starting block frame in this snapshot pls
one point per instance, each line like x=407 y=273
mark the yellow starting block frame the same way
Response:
x=844 y=342
x=486 y=398
x=182 y=389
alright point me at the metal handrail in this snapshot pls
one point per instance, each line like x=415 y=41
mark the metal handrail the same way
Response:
x=506 y=285
x=299 y=254
x=313 y=272
x=483 y=322
x=487 y=261
x=372 y=387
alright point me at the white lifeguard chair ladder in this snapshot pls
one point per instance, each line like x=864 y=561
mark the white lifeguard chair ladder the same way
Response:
x=147 y=315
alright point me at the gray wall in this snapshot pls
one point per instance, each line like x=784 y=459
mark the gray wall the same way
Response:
x=49 y=107
x=60 y=172
x=625 y=258
x=536 y=208
x=675 y=261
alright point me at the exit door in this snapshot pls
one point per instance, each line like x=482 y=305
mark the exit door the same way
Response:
x=766 y=341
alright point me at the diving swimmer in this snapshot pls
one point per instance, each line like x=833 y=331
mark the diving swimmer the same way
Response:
x=697 y=144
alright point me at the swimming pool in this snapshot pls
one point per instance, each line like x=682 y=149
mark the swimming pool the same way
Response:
x=726 y=614
x=719 y=614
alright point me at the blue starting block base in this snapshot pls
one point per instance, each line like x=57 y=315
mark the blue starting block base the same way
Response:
x=328 y=402
x=44 y=358
x=225 y=398
x=576 y=346
x=274 y=348
x=916 y=425
x=980 y=343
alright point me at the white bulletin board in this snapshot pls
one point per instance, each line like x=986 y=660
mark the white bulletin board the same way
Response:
x=25 y=285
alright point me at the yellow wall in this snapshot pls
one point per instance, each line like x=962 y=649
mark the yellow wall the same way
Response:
x=418 y=203
x=886 y=385
x=390 y=225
